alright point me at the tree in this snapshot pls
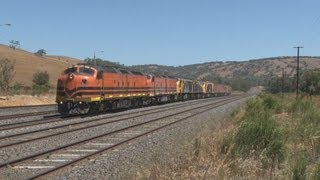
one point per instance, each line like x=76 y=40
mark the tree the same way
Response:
x=14 y=44
x=41 y=52
x=6 y=73
x=101 y=62
x=311 y=81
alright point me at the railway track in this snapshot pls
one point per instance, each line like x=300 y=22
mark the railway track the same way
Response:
x=57 y=118
x=52 y=160
x=18 y=114
x=47 y=132
x=46 y=119
x=26 y=107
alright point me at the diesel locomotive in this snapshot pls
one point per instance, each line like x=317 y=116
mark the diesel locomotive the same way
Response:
x=85 y=89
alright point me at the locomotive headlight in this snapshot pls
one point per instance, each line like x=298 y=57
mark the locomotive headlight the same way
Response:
x=71 y=76
x=61 y=102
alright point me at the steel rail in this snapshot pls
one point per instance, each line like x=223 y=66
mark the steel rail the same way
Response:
x=11 y=116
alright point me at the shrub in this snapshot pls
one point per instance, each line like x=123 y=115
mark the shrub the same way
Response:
x=259 y=132
x=41 y=78
x=41 y=83
x=17 y=88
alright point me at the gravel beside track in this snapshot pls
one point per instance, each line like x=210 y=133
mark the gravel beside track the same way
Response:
x=13 y=110
x=15 y=152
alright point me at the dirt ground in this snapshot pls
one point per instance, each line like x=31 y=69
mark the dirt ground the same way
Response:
x=24 y=100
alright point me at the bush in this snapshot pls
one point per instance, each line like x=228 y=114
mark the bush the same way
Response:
x=17 y=88
x=41 y=78
x=259 y=132
x=270 y=102
x=41 y=83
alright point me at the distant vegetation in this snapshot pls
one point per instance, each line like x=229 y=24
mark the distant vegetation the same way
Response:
x=14 y=44
x=41 y=52
x=309 y=83
x=101 y=62
x=245 y=74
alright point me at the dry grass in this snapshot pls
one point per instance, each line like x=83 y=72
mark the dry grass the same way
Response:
x=24 y=100
x=26 y=64
x=203 y=158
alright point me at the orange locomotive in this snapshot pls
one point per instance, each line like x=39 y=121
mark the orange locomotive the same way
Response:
x=82 y=89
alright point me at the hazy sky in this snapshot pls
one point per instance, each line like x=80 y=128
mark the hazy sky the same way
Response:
x=167 y=32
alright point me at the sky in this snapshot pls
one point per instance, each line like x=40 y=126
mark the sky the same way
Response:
x=165 y=32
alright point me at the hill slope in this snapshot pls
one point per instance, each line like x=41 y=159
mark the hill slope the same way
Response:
x=26 y=64
x=253 y=68
x=236 y=73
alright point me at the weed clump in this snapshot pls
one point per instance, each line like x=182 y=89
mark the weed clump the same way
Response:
x=270 y=102
x=301 y=106
x=299 y=167
x=259 y=132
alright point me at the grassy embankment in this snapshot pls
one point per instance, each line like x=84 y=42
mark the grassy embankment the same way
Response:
x=273 y=137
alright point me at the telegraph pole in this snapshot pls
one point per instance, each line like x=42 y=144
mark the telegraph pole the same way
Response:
x=297 y=85
x=282 y=87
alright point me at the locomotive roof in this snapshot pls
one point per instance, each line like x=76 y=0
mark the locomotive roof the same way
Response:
x=112 y=69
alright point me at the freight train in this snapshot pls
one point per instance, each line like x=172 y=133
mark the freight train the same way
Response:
x=83 y=89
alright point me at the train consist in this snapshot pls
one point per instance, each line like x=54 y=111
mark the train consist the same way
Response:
x=85 y=89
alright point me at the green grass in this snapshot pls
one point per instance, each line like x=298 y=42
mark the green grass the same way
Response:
x=300 y=167
x=259 y=132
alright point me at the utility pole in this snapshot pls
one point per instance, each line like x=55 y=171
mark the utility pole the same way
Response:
x=297 y=85
x=94 y=56
x=282 y=87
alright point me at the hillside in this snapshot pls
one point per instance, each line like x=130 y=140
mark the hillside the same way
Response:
x=252 y=68
x=26 y=64
x=240 y=74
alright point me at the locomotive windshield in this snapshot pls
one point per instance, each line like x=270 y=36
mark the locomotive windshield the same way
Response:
x=87 y=71
x=70 y=70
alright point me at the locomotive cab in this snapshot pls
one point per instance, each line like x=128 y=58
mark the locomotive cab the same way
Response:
x=73 y=86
